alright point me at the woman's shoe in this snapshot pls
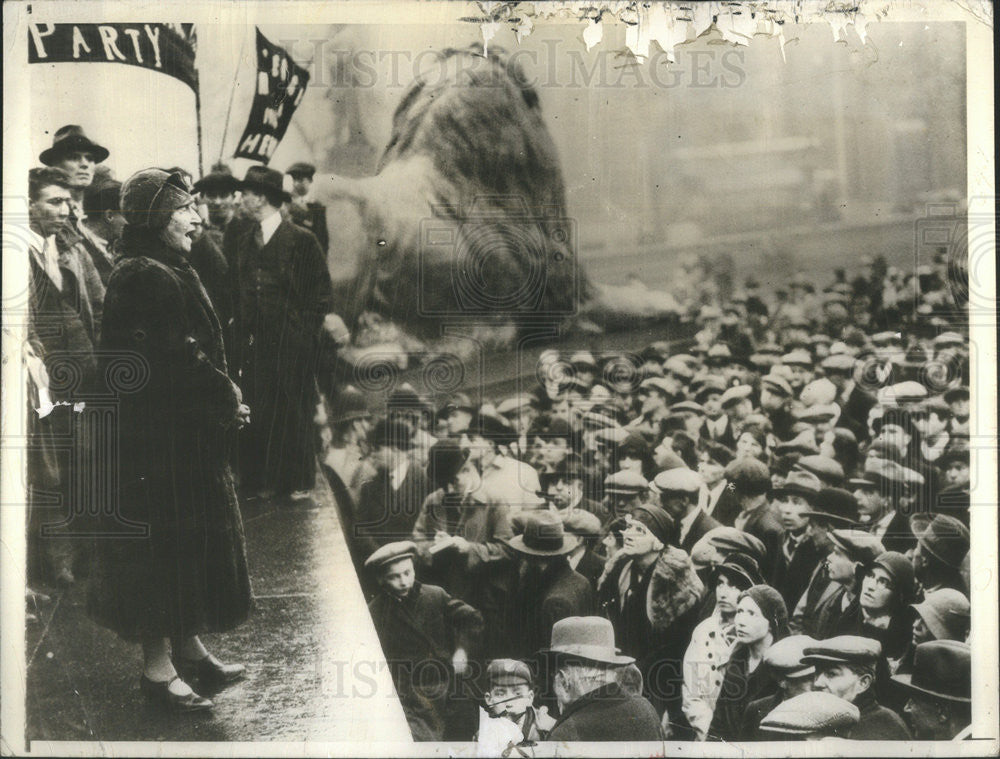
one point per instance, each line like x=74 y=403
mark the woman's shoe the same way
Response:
x=160 y=693
x=210 y=671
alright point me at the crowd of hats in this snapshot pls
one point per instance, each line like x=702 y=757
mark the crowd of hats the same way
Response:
x=827 y=396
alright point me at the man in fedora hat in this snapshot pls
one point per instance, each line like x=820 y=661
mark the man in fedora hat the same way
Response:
x=939 y=690
x=424 y=633
x=283 y=293
x=217 y=190
x=547 y=588
x=592 y=704
x=942 y=544
x=303 y=209
x=77 y=155
x=565 y=486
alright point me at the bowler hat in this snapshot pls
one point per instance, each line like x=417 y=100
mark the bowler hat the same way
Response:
x=394 y=433
x=942 y=669
x=301 y=169
x=813 y=712
x=351 y=404
x=267 y=181
x=219 y=179
x=834 y=506
x=587 y=638
x=69 y=139
x=391 y=552
x=445 y=459
x=945 y=611
x=543 y=536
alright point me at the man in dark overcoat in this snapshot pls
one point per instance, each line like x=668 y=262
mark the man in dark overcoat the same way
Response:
x=283 y=294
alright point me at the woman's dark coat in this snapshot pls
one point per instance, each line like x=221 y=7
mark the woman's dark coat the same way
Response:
x=186 y=573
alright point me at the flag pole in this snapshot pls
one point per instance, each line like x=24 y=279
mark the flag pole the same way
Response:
x=232 y=95
x=197 y=113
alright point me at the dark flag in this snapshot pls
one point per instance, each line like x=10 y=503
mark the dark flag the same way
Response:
x=168 y=48
x=281 y=84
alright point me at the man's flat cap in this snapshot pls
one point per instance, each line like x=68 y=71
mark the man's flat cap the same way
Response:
x=678 y=480
x=735 y=394
x=812 y=712
x=391 y=552
x=846 y=649
x=625 y=482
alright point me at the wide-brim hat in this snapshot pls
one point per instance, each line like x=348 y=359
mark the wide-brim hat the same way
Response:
x=543 y=535
x=944 y=537
x=587 y=638
x=942 y=669
x=68 y=139
x=267 y=181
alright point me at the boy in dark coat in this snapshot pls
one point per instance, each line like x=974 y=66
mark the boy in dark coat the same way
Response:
x=424 y=632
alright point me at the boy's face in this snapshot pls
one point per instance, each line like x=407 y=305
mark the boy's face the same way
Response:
x=510 y=700
x=398 y=577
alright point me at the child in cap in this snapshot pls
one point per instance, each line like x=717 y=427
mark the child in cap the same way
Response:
x=510 y=694
x=425 y=635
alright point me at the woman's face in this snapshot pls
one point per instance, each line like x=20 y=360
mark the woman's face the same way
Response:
x=750 y=624
x=637 y=540
x=726 y=595
x=876 y=591
x=182 y=228
x=747 y=445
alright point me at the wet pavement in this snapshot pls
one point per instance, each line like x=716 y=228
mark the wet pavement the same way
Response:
x=315 y=670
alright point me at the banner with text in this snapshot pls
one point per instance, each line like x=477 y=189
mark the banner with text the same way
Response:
x=281 y=85
x=168 y=48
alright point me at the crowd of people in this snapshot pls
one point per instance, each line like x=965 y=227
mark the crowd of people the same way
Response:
x=757 y=533
x=760 y=532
